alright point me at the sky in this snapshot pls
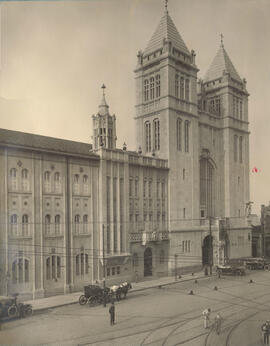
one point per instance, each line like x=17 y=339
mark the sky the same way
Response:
x=55 y=56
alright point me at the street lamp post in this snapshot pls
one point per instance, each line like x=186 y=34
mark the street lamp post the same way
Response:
x=210 y=254
x=104 y=267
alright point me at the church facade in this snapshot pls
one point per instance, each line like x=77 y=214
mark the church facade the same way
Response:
x=75 y=213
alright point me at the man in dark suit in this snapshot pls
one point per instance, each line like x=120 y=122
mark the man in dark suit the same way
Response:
x=112 y=313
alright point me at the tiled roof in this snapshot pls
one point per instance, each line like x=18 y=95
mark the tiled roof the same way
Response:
x=166 y=29
x=220 y=63
x=37 y=142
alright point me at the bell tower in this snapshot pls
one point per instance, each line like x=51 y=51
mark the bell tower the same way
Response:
x=104 y=129
x=166 y=116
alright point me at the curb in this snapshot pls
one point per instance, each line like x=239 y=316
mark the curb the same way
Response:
x=42 y=310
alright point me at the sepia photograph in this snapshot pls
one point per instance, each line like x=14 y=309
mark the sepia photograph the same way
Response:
x=134 y=176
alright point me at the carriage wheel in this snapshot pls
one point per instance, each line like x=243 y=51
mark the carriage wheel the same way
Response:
x=82 y=300
x=92 y=301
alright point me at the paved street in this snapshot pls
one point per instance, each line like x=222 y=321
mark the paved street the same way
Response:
x=166 y=316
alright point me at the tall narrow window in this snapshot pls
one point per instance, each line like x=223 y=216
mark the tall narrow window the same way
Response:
x=53 y=268
x=76 y=183
x=148 y=136
x=144 y=187
x=163 y=190
x=136 y=187
x=14 y=224
x=186 y=136
x=150 y=189
x=157 y=85
x=182 y=92
x=157 y=134
x=25 y=180
x=77 y=224
x=85 y=183
x=130 y=187
x=47 y=224
x=152 y=88
x=241 y=110
x=179 y=134
x=187 y=90
x=20 y=271
x=241 y=149
x=206 y=188
x=177 y=85
x=57 y=224
x=13 y=178
x=57 y=182
x=237 y=108
x=85 y=224
x=235 y=143
x=158 y=188
x=47 y=181
x=146 y=90
x=25 y=221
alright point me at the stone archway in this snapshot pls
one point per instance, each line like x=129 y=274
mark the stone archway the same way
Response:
x=148 y=262
x=207 y=251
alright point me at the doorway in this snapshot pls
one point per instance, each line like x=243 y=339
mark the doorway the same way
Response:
x=148 y=262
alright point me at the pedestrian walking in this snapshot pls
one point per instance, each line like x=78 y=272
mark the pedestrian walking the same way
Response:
x=266 y=330
x=206 y=317
x=218 y=321
x=112 y=313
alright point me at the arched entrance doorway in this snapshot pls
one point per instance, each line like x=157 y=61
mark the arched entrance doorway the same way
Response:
x=148 y=262
x=207 y=251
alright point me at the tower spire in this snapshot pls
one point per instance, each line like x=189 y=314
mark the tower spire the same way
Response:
x=221 y=40
x=166 y=6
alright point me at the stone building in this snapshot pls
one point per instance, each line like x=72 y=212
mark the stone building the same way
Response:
x=205 y=139
x=72 y=213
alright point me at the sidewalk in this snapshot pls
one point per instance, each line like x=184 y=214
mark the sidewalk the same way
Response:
x=44 y=304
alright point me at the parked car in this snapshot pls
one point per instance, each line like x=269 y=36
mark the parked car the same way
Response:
x=257 y=263
x=9 y=307
x=231 y=270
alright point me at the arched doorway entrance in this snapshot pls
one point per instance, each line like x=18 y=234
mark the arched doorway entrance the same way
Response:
x=207 y=251
x=148 y=262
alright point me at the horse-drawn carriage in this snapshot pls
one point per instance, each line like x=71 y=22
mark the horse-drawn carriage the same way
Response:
x=94 y=294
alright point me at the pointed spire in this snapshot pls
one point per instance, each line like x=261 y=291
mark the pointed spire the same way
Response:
x=103 y=107
x=220 y=65
x=166 y=30
x=166 y=6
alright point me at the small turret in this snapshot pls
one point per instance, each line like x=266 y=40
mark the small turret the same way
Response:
x=104 y=130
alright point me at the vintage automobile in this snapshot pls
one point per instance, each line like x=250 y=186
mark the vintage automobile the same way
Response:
x=257 y=263
x=9 y=307
x=231 y=270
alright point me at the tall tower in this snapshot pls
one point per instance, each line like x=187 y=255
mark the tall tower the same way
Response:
x=167 y=119
x=104 y=130
x=223 y=103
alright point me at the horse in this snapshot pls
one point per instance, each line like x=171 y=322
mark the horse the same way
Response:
x=120 y=290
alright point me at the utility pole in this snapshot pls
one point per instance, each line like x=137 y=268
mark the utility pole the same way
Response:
x=104 y=266
x=210 y=253
x=175 y=267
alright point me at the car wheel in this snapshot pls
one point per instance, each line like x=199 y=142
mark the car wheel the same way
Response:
x=82 y=300
x=12 y=311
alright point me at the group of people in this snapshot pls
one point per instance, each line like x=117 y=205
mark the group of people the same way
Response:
x=206 y=320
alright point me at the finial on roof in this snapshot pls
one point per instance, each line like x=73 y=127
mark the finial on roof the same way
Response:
x=103 y=87
x=166 y=6
x=221 y=40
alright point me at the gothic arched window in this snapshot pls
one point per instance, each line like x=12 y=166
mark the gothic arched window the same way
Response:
x=57 y=223
x=47 y=181
x=76 y=184
x=85 y=224
x=47 y=224
x=85 y=183
x=77 y=223
x=53 y=267
x=82 y=264
x=25 y=180
x=57 y=182
x=20 y=271
x=182 y=88
x=13 y=178
x=206 y=187
x=14 y=224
